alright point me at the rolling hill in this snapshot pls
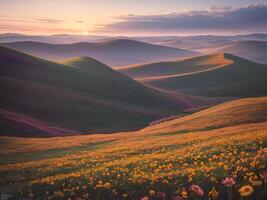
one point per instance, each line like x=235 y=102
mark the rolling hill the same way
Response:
x=201 y=43
x=80 y=95
x=187 y=66
x=234 y=115
x=115 y=52
x=252 y=50
x=55 y=39
x=232 y=76
x=231 y=113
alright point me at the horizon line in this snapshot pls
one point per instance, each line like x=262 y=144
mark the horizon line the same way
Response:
x=129 y=35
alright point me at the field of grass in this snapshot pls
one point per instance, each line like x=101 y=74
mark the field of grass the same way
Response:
x=199 y=161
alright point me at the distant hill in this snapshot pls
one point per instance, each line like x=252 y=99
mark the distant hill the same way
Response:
x=232 y=76
x=232 y=113
x=252 y=50
x=42 y=98
x=115 y=52
x=55 y=39
x=201 y=43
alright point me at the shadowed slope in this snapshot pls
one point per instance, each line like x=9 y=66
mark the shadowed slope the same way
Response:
x=15 y=124
x=113 y=52
x=88 y=96
x=238 y=78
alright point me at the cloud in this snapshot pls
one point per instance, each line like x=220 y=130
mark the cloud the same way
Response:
x=251 y=18
x=214 y=8
x=50 y=21
x=28 y=29
x=31 y=20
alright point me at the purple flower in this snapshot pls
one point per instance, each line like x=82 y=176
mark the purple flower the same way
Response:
x=228 y=182
x=197 y=189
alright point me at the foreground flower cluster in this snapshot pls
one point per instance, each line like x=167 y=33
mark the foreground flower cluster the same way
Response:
x=209 y=165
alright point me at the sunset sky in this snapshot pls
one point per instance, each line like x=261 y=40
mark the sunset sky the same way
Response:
x=128 y=17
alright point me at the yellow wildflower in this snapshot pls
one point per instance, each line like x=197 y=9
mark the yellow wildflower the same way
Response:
x=246 y=190
x=256 y=183
x=58 y=195
x=107 y=185
x=213 y=194
x=184 y=194
x=152 y=193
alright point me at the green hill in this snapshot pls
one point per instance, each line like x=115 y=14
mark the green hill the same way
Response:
x=190 y=65
x=235 y=77
x=232 y=113
x=114 y=52
x=80 y=95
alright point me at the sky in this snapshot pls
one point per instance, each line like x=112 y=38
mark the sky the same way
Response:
x=133 y=17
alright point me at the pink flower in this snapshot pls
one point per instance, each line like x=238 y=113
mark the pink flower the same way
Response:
x=145 y=198
x=162 y=195
x=228 y=182
x=198 y=190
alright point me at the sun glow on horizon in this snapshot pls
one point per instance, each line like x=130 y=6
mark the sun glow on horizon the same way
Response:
x=106 y=17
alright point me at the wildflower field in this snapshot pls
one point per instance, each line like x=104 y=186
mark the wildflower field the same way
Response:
x=221 y=163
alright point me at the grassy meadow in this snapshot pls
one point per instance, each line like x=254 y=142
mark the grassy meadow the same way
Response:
x=205 y=162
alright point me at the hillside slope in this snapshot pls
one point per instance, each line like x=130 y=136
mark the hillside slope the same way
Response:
x=252 y=50
x=159 y=69
x=91 y=98
x=140 y=164
x=113 y=52
x=232 y=113
x=237 y=78
x=235 y=116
